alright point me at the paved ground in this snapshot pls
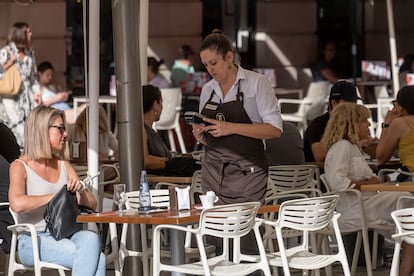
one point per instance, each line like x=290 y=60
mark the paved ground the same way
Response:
x=337 y=270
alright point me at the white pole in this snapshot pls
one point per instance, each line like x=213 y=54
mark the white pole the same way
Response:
x=393 y=47
x=93 y=89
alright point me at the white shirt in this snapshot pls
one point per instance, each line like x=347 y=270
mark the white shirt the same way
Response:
x=344 y=161
x=260 y=101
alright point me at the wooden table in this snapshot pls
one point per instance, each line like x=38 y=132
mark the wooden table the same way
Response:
x=170 y=179
x=389 y=187
x=168 y=217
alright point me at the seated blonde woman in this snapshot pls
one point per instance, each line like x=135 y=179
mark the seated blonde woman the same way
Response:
x=345 y=168
x=108 y=143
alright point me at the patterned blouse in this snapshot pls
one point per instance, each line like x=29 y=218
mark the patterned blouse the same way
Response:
x=14 y=110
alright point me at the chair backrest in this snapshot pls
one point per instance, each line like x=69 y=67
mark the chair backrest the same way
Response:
x=308 y=214
x=229 y=221
x=159 y=198
x=195 y=189
x=287 y=178
x=315 y=99
x=171 y=102
x=404 y=221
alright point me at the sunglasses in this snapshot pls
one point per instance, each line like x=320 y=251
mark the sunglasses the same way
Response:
x=62 y=129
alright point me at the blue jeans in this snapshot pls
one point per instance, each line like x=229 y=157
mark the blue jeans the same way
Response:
x=82 y=252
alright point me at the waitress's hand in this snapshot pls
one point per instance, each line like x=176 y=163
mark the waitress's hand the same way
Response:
x=198 y=132
x=217 y=128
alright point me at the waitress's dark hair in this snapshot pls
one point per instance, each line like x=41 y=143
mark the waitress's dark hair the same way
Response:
x=218 y=42
x=154 y=64
x=150 y=94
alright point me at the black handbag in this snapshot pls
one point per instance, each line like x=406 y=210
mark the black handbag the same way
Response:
x=60 y=214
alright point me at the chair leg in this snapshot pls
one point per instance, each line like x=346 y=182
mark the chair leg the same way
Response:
x=180 y=139
x=172 y=141
x=357 y=250
x=396 y=259
x=365 y=240
x=374 y=249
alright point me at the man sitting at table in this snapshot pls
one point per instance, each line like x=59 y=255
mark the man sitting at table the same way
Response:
x=341 y=91
x=157 y=157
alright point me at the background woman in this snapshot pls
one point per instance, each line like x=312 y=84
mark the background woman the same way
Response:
x=35 y=178
x=108 y=143
x=345 y=166
x=156 y=153
x=153 y=72
x=242 y=109
x=14 y=110
x=47 y=94
x=398 y=131
x=157 y=157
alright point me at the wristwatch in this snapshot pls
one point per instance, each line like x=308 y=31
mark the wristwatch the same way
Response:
x=384 y=125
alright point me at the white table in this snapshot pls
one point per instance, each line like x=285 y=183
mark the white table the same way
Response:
x=101 y=99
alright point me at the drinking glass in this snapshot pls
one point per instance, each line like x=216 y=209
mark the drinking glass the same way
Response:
x=120 y=196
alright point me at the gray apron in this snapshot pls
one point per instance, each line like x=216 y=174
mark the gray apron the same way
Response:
x=234 y=166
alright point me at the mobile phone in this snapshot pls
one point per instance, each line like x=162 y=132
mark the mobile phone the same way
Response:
x=192 y=117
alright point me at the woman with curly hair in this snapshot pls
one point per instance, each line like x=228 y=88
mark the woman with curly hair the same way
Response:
x=346 y=168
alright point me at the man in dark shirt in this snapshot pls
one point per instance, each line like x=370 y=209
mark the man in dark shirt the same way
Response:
x=341 y=91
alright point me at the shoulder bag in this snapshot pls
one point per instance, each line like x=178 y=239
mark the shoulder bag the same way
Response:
x=60 y=214
x=10 y=83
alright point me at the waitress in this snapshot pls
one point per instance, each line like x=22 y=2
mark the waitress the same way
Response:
x=242 y=110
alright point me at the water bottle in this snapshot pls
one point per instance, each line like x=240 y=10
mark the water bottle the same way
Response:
x=144 y=193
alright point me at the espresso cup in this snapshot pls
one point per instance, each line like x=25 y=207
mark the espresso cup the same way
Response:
x=208 y=200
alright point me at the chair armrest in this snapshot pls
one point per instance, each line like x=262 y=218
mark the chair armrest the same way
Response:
x=162 y=185
x=402 y=235
x=176 y=227
x=274 y=199
x=22 y=228
x=304 y=190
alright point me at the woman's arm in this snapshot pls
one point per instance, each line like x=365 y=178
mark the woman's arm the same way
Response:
x=390 y=137
x=150 y=161
x=20 y=202
x=58 y=97
x=84 y=196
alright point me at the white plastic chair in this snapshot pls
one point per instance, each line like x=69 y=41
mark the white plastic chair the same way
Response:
x=227 y=222
x=159 y=198
x=311 y=106
x=102 y=183
x=288 y=179
x=195 y=190
x=170 y=116
x=361 y=230
x=307 y=215
x=404 y=222
x=14 y=264
x=383 y=172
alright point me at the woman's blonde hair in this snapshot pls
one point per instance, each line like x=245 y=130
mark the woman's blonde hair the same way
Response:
x=344 y=124
x=36 y=134
x=81 y=121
